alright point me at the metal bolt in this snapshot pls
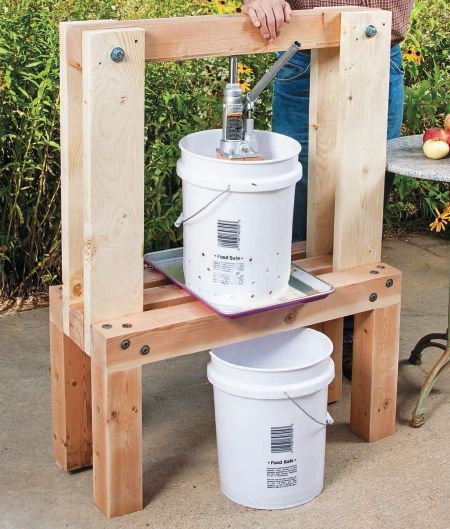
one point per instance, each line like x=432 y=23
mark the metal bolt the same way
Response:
x=127 y=325
x=374 y=272
x=125 y=344
x=389 y=283
x=117 y=54
x=145 y=349
x=381 y=266
x=373 y=297
x=106 y=326
x=371 y=31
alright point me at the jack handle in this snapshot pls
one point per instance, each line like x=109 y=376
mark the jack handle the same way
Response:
x=253 y=95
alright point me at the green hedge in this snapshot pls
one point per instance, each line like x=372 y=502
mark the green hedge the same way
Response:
x=188 y=96
x=427 y=84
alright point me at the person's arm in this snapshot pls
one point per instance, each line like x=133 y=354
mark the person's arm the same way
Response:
x=268 y=15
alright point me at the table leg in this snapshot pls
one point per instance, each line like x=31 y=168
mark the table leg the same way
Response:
x=419 y=411
x=418 y=417
x=425 y=342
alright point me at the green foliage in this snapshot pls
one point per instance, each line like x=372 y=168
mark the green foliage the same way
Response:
x=29 y=171
x=427 y=81
x=427 y=85
x=184 y=96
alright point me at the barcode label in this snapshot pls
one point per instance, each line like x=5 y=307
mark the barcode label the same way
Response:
x=229 y=233
x=281 y=439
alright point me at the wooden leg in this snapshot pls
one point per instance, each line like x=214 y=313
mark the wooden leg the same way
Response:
x=117 y=439
x=374 y=374
x=334 y=329
x=71 y=402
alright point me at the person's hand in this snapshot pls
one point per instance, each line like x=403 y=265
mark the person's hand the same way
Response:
x=268 y=15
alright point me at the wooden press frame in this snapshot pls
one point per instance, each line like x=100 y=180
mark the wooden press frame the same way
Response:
x=106 y=312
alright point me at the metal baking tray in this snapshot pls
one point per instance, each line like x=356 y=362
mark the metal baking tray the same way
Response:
x=303 y=286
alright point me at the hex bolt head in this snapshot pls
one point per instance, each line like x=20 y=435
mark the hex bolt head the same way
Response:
x=381 y=266
x=106 y=326
x=374 y=272
x=145 y=349
x=389 y=283
x=117 y=54
x=371 y=31
x=373 y=297
x=125 y=344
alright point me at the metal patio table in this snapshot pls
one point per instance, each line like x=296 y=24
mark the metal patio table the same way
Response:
x=405 y=157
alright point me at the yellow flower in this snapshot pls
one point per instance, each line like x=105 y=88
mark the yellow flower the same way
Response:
x=244 y=85
x=441 y=219
x=225 y=8
x=418 y=57
x=413 y=55
x=246 y=70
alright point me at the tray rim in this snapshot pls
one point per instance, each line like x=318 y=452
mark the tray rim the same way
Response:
x=241 y=313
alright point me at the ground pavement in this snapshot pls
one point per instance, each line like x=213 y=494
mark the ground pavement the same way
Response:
x=398 y=483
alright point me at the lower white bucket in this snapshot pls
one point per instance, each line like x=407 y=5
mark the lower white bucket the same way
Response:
x=270 y=400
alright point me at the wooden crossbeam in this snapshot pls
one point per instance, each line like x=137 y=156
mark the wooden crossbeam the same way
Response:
x=192 y=327
x=211 y=36
x=159 y=292
x=153 y=297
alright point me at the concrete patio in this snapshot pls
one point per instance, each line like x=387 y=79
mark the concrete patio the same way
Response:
x=401 y=482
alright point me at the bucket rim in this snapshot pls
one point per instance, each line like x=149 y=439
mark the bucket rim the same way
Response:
x=277 y=370
x=247 y=162
x=223 y=382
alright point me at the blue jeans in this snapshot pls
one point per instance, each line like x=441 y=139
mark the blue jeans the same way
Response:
x=291 y=117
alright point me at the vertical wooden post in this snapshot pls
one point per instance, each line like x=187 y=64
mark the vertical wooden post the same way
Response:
x=117 y=432
x=113 y=185
x=322 y=162
x=322 y=169
x=71 y=402
x=361 y=137
x=374 y=378
x=71 y=181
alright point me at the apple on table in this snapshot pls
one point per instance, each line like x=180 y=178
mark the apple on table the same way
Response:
x=436 y=142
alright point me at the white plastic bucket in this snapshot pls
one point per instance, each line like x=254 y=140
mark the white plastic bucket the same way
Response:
x=270 y=401
x=237 y=218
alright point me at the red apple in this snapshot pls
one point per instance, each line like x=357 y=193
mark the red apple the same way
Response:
x=437 y=134
x=447 y=122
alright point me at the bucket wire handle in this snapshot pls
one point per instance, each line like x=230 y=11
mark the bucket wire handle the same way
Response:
x=180 y=219
x=328 y=422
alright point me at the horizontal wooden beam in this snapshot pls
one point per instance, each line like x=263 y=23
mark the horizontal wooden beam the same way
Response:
x=192 y=327
x=159 y=292
x=212 y=36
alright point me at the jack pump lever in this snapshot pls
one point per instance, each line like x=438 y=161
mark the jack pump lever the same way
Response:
x=238 y=138
x=253 y=95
